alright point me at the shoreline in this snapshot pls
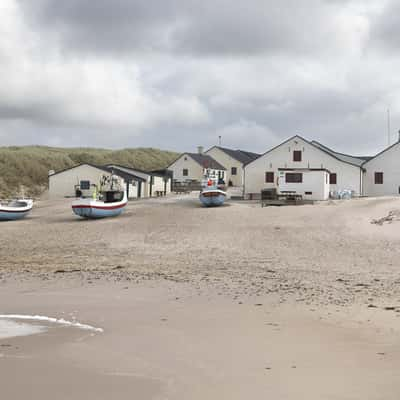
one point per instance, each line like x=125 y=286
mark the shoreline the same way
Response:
x=160 y=339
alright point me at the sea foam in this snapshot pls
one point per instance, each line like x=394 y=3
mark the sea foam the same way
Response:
x=10 y=318
x=10 y=328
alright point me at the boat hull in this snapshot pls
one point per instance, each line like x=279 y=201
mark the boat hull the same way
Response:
x=10 y=213
x=212 y=198
x=96 y=209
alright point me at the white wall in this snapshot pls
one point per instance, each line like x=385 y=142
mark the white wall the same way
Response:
x=316 y=182
x=228 y=162
x=195 y=170
x=348 y=176
x=63 y=183
x=389 y=163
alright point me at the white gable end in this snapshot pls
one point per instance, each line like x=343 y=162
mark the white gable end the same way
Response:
x=348 y=176
x=386 y=163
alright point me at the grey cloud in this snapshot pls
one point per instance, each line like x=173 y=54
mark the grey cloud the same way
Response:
x=217 y=27
x=178 y=73
x=385 y=29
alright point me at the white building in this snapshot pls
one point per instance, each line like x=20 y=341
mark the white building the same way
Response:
x=153 y=182
x=382 y=173
x=194 y=166
x=346 y=171
x=234 y=162
x=63 y=183
x=311 y=184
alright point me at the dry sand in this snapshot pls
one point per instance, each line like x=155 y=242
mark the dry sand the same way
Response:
x=236 y=302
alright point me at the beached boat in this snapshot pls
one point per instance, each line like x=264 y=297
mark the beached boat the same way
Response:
x=212 y=195
x=110 y=201
x=15 y=209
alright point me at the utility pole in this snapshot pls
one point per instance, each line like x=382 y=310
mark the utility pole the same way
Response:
x=220 y=140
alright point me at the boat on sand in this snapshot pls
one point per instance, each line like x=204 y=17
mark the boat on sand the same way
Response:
x=15 y=209
x=211 y=195
x=109 y=201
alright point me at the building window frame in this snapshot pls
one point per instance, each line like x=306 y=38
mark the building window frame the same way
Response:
x=269 y=177
x=233 y=171
x=185 y=172
x=297 y=155
x=378 y=178
x=294 y=177
x=333 y=178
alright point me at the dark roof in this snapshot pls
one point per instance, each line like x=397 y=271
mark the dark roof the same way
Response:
x=242 y=156
x=123 y=174
x=321 y=148
x=206 y=161
x=154 y=173
x=358 y=160
x=162 y=172
x=120 y=173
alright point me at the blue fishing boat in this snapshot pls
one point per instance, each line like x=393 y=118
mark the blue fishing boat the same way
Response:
x=211 y=195
x=15 y=209
x=110 y=201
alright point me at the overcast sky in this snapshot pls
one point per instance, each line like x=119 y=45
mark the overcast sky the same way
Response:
x=175 y=74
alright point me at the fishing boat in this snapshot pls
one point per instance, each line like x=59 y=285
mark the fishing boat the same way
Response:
x=109 y=201
x=15 y=209
x=211 y=195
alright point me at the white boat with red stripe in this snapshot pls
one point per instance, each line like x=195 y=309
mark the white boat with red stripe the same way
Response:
x=109 y=202
x=15 y=209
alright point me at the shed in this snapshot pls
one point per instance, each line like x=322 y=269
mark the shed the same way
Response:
x=311 y=184
x=154 y=182
x=62 y=183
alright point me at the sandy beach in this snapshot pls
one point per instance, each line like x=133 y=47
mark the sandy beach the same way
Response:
x=233 y=302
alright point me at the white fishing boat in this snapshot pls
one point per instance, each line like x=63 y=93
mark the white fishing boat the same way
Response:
x=212 y=195
x=109 y=201
x=15 y=209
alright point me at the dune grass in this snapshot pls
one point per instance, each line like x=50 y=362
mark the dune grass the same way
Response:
x=24 y=170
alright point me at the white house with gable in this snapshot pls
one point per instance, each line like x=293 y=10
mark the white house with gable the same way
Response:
x=345 y=171
x=234 y=162
x=193 y=167
x=382 y=173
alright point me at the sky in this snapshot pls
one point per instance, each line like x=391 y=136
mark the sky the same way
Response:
x=175 y=74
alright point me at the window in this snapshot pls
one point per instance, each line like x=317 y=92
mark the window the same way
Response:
x=84 y=185
x=378 y=178
x=185 y=172
x=233 y=171
x=333 y=179
x=294 y=177
x=297 y=155
x=269 y=177
x=308 y=193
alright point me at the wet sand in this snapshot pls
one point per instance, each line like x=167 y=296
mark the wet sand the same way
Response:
x=237 y=302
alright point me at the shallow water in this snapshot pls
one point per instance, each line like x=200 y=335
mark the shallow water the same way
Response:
x=9 y=329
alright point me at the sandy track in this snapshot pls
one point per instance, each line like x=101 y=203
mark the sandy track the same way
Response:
x=324 y=253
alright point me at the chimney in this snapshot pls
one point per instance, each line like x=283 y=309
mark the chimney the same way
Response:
x=200 y=149
x=399 y=136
